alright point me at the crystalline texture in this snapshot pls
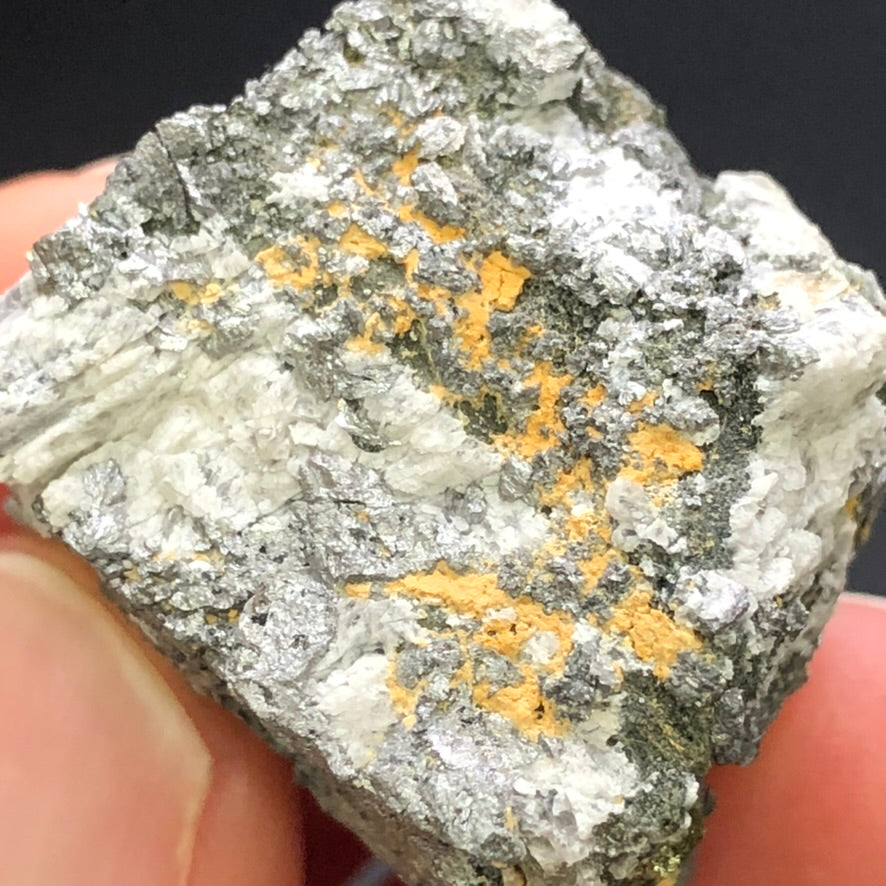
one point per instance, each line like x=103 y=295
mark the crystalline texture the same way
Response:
x=430 y=411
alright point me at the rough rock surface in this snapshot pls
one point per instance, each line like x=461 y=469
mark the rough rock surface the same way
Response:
x=432 y=412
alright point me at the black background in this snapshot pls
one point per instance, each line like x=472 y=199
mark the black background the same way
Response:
x=795 y=87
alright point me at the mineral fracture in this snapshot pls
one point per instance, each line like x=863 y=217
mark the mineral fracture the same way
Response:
x=431 y=411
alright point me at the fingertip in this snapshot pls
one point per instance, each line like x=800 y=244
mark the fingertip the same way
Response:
x=253 y=799
x=32 y=205
x=102 y=774
x=252 y=793
x=810 y=809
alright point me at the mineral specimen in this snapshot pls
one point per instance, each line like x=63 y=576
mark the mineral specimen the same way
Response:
x=431 y=412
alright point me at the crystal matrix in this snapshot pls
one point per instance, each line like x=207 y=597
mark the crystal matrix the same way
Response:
x=430 y=411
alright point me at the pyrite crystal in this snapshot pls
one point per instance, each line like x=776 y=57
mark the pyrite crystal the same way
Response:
x=430 y=411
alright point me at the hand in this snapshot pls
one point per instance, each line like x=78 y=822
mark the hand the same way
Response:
x=113 y=771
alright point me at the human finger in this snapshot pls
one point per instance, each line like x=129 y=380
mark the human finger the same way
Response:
x=251 y=794
x=35 y=204
x=102 y=774
x=809 y=811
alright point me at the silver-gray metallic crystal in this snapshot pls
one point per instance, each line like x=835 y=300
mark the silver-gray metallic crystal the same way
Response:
x=431 y=411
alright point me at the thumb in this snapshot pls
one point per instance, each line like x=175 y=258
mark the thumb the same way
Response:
x=35 y=204
x=82 y=745
x=102 y=774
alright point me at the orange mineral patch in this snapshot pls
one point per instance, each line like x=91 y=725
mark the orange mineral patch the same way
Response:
x=545 y=423
x=439 y=295
x=524 y=705
x=594 y=397
x=568 y=482
x=365 y=343
x=437 y=232
x=404 y=700
x=363 y=184
x=508 y=636
x=653 y=635
x=404 y=316
x=193 y=295
x=501 y=284
x=582 y=523
x=405 y=166
x=396 y=116
x=472 y=328
x=410 y=264
x=647 y=400
x=593 y=568
x=572 y=490
x=359 y=589
x=283 y=270
x=533 y=331
x=356 y=241
x=661 y=454
x=503 y=281
x=507 y=625
x=475 y=595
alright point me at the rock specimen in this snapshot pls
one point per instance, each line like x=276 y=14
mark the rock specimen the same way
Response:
x=431 y=412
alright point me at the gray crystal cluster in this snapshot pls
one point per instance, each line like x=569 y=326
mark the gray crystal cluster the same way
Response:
x=430 y=411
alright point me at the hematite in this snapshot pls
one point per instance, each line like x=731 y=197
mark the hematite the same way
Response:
x=430 y=411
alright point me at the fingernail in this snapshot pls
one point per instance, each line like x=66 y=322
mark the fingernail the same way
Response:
x=102 y=774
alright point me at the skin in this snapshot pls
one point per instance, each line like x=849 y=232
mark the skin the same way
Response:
x=113 y=771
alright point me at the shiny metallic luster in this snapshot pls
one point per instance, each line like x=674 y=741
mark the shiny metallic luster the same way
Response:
x=429 y=410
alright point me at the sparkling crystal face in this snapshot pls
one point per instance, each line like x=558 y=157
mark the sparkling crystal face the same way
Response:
x=431 y=411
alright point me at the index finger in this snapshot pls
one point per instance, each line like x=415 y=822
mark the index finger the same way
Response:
x=35 y=204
